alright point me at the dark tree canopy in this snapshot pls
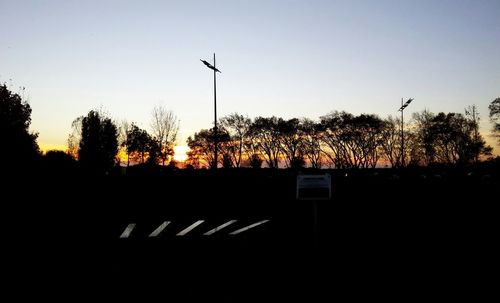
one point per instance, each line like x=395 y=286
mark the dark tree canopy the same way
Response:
x=202 y=145
x=165 y=127
x=99 y=142
x=57 y=160
x=140 y=145
x=494 y=108
x=343 y=140
x=450 y=139
x=352 y=141
x=266 y=134
x=311 y=142
x=292 y=141
x=19 y=146
x=237 y=126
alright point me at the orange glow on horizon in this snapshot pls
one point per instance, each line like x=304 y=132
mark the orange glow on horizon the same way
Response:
x=180 y=153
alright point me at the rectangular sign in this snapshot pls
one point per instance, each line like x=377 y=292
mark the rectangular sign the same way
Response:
x=314 y=187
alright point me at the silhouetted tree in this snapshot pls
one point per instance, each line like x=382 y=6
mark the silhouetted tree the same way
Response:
x=478 y=145
x=391 y=141
x=352 y=141
x=99 y=143
x=154 y=152
x=227 y=162
x=251 y=149
x=414 y=155
x=123 y=127
x=202 y=145
x=266 y=134
x=19 y=146
x=227 y=148
x=238 y=127
x=139 y=144
x=255 y=161
x=494 y=108
x=311 y=141
x=173 y=165
x=422 y=148
x=336 y=150
x=298 y=163
x=291 y=139
x=366 y=133
x=451 y=139
x=57 y=160
x=75 y=137
x=164 y=126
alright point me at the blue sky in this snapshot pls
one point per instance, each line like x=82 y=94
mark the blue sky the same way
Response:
x=284 y=58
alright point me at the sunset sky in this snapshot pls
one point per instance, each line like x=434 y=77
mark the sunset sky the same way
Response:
x=283 y=58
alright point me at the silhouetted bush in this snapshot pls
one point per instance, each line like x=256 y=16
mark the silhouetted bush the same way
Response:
x=58 y=160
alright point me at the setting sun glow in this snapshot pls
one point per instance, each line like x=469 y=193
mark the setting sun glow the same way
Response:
x=180 y=153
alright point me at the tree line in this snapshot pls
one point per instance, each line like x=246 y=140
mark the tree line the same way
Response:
x=99 y=143
x=336 y=140
x=343 y=140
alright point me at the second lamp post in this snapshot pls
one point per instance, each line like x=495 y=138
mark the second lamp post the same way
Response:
x=401 y=109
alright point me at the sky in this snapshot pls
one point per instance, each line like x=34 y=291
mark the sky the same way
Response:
x=283 y=58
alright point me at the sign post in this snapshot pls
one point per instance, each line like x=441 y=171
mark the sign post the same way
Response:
x=314 y=188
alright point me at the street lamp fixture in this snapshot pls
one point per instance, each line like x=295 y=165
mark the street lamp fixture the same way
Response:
x=401 y=109
x=212 y=67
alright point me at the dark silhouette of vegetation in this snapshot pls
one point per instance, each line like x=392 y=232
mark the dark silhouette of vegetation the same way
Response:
x=391 y=141
x=266 y=133
x=19 y=146
x=99 y=142
x=494 y=108
x=75 y=137
x=342 y=140
x=451 y=139
x=227 y=147
x=478 y=147
x=352 y=141
x=256 y=161
x=139 y=145
x=311 y=142
x=227 y=162
x=164 y=126
x=59 y=161
x=237 y=127
x=337 y=140
x=202 y=146
x=291 y=142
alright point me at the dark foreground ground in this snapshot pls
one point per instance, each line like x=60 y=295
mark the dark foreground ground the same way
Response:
x=383 y=235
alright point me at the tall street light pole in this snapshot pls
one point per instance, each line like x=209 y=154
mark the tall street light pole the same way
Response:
x=212 y=67
x=401 y=109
